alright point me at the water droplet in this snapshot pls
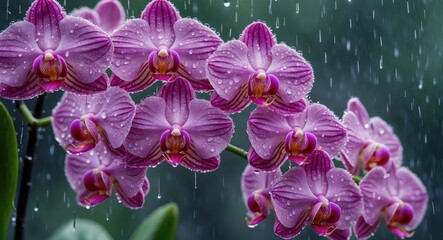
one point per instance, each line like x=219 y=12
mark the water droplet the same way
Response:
x=227 y=3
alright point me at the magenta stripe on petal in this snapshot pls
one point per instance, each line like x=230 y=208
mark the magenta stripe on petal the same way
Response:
x=143 y=80
x=72 y=84
x=194 y=162
x=285 y=232
x=316 y=167
x=275 y=161
x=259 y=39
x=161 y=16
x=29 y=90
x=177 y=95
x=201 y=85
x=281 y=107
x=46 y=16
x=236 y=105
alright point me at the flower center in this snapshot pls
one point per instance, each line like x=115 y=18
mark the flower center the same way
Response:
x=174 y=143
x=299 y=144
x=162 y=62
x=259 y=203
x=374 y=154
x=94 y=183
x=402 y=216
x=326 y=215
x=83 y=131
x=262 y=87
x=52 y=70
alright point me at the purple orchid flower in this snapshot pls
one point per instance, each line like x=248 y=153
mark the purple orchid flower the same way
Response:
x=395 y=194
x=371 y=141
x=179 y=128
x=275 y=137
x=256 y=68
x=93 y=175
x=81 y=122
x=161 y=46
x=255 y=187
x=50 y=51
x=107 y=14
x=316 y=192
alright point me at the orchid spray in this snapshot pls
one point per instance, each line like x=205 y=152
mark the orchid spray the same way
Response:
x=98 y=58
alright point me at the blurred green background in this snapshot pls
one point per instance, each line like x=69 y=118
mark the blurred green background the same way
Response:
x=386 y=52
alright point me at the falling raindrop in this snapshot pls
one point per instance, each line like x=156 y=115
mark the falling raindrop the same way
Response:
x=227 y=3
x=195 y=180
x=159 y=195
x=297 y=8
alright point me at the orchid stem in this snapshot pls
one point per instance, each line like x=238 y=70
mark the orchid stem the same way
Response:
x=357 y=179
x=34 y=124
x=236 y=150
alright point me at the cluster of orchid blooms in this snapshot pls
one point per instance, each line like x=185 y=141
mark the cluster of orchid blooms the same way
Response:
x=111 y=141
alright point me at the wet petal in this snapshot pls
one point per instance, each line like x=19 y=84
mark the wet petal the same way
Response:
x=343 y=191
x=148 y=125
x=154 y=158
x=194 y=43
x=18 y=51
x=76 y=166
x=132 y=47
x=277 y=158
x=201 y=85
x=87 y=14
x=128 y=180
x=111 y=14
x=85 y=47
x=161 y=16
x=260 y=40
x=29 y=90
x=330 y=133
x=355 y=106
x=363 y=230
x=294 y=73
x=210 y=128
x=194 y=162
x=138 y=199
x=254 y=179
x=375 y=194
x=285 y=232
x=236 y=105
x=228 y=68
x=72 y=84
x=384 y=134
x=284 y=108
x=316 y=167
x=177 y=95
x=143 y=80
x=291 y=197
x=46 y=16
x=356 y=140
x=266 y=130
x=340 y=234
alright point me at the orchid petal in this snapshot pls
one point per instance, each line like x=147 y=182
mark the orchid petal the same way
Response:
x=384 y=134
x=254 y=179
x=194 y=43
x=266 y=131
x=30 y=89
x=111 y=14
x=143 y=80
x=209 y=127
x=340 y=234
x=154 y=158
x=148 y=125
x=285 y=232
x=201 y=85
x=177 y=95
x=295 y=75
x=85 y=47
x=343 y=191
x=228 y=69
x=317 y=166
x=355 y=106
x=363 y=230
x=194 y=162
x=18 y=50
x=355 y=142
x=275 y=161
x=291 y=197
x=375 y=194
x=330 y=133
x=161 y=16
x=128 y=180
x=88 y=14
x=284 y=108
x=72 y=84
x=236 y=105
x=76 y=167
x=46 y=16
x=138 y=199
x=260 y=40
x=132 y=47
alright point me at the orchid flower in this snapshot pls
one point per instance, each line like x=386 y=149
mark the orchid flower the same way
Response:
x=81 y=122
x=179 y=128
x=256 y=68
x=371 y=141
x=107 y=14
x=275 y=137
x=255 y=187
x=161 y=46
x=396 y=195
x=93 y=175
x=50 y=51
x=318 y=193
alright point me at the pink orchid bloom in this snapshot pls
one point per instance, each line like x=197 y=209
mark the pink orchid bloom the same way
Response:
x=371 y=141
x=81 y=122
x=276 y=137
x=319 y=193
x=50 y=51
x=396 y=195
x=161 y=46
x=179 y=128
x=93 y=175
x=107 y=14
x=256 y=68
x=255 y=187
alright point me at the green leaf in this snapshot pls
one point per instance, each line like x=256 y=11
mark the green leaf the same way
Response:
x=159 y=225
x=8 y=169
x=84 y=230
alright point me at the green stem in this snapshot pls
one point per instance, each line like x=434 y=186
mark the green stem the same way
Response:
x=236 y=150
x=29 y=117
x=357 y=179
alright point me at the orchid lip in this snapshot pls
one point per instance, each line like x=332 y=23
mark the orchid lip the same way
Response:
x=163 y=62
x=377 y=154
x=262 y=87
x=260 y=204
x=174 y=143
x=299 y=144
x=52 y=70
x=85 y=139
x=325 y=216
